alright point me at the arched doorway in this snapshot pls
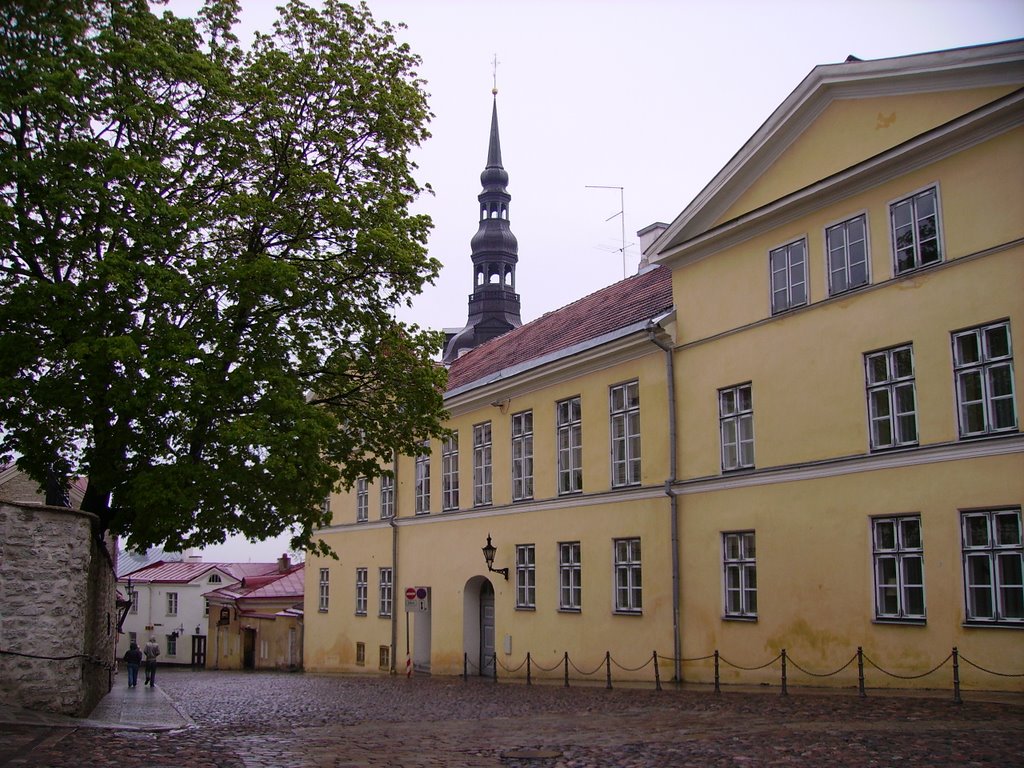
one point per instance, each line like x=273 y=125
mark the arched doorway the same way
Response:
x=478 y=626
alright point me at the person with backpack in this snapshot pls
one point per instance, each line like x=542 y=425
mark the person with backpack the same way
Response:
x=152 y=650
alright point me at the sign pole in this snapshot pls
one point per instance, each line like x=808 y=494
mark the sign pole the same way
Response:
x=408 y=658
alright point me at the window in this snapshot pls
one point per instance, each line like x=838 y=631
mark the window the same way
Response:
x=892 y=404
x=386 y=592
x=740 y=565
x=628 y=576
x=522 y=456
x=360 y=654
x=172 y=644
x=847 y=246
x=570 y=587
x=422 y=492
x=384 y=658
x=789 y=276
x=133 y=637
x=983 y=363
x=736 y=415
x=360 y=591
x=325 y=507
x=206 y=607
x=899 y=567
x=135 y=603
x=482 y=464
x=570 y=446
x=915 y=231
x=993 y=566
x=325 y=590
x=526 y=576
x=214 y=579
x=387 y=497
x=362 y=500
x=624 y=406
x=450 y=473
x=172 y=603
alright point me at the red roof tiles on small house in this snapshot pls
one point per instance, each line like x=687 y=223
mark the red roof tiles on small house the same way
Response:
x=187 y=570
x=641 y=297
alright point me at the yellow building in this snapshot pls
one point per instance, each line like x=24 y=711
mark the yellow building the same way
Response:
x=798 y=430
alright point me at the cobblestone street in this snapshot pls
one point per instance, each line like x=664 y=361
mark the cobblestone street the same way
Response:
x=297 y=720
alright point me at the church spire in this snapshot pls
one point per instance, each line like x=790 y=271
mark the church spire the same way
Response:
x=494 y=304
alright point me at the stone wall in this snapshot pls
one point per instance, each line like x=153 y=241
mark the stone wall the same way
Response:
x=58 y=623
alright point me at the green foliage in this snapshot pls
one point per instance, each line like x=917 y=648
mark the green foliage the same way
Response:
x=201 y=250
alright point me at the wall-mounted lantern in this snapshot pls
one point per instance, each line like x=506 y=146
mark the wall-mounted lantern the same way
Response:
x=489 y=551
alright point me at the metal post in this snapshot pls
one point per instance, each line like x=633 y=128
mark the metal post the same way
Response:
x=566 y=663
x=494 y=660
x=860 y=672
x=784 y=691
x=529 y=680
x=608 y=669
x=465 y=667
x=717 y=687
x=956 y=677
x=657 y=674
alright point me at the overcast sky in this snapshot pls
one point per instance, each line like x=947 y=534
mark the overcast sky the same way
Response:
x=654 y=96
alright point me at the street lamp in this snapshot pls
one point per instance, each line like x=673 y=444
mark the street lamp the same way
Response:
x=489 y=551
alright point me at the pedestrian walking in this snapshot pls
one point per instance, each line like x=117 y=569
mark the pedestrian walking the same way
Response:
x=133 y=658
x=152 y=650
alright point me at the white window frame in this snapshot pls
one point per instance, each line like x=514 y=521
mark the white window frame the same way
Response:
x=526 y=576
x=385 y=585
x=483 y=477
x=736 y=426
x=362 y=500
x=361 y=589
x=387 y=496
x=172 y=603
x=450 y=473
x=172 y=644
x=522 y=456
x=135 y=603
x=990 y=393
x=897 y=549
x=624 y=415
x=913 y=228
x=324 y=594
x=993 y=563
x=570 y=576
x=846 y=253
x=569 y=445
x=422 y=487
x=627 y=565
x=787 y=266
x=739 y=571
x=889 y=377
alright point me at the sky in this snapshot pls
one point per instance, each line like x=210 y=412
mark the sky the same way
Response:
x=650 y=96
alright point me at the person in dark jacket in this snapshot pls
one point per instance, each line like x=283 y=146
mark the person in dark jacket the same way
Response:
x=152 y=650
x=133 y=658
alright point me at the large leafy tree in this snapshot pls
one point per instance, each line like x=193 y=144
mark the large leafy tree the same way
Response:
x=201 y=249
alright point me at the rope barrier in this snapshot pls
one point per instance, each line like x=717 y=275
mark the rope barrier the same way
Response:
x=826 y=674
x=632 y=669
x=695 y=658
x=586 y=674
x=508 y=669
x=989 y=671
x=750 y=669
x=547 y=669
x=908 y=677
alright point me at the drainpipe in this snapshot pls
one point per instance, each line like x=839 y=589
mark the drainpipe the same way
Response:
x=677 y=649
x=395 y=590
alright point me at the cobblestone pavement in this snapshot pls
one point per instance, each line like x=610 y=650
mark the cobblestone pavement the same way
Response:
x=267 y=720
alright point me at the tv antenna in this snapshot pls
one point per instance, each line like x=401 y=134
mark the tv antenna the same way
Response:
x=621 y=214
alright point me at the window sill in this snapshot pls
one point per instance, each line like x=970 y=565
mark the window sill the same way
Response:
x=360 y=615
x=321 y=610
x=902 y=622
x=529 y=608
x=741 y=619
x=570 y=610
x=623 y=612
x=898 y=274
x=1017 y=624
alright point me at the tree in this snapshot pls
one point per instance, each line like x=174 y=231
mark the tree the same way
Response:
x=201 y=250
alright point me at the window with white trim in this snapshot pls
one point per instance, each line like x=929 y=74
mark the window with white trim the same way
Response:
x=993 y=566
x=983 y=366
x=214 y=578
x=325 y=590
x=789 y=276
x=360 y=591
x=384 y=657
x=739 y=559
x=386 y=593
x=569 y=422
x=172 y=644
x=135 y=603
x=898 y=554
x=172 y=603
x=628 y=576
x=422 y=488
x=360 y=654
x=570 y=574
x=362 y=500
x=450 y=472
x=847 y=246
x=892 y=399
x=736 y=421
x=915 y=231
x=482 y=479
x=387 y=496
x=526 y=576
x=522 y=456
x=624 y=407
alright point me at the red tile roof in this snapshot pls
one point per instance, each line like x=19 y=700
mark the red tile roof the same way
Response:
x=275 y=586
x=637 y=298
x=185 y=571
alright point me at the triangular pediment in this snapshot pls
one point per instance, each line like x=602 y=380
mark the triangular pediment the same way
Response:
x=842 y=115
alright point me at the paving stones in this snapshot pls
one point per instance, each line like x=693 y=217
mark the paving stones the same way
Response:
x=266 y=720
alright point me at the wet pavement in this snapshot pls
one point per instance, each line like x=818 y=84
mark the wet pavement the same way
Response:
x=268 y=720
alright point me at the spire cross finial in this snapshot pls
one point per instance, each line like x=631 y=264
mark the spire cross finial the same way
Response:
x=494 y=74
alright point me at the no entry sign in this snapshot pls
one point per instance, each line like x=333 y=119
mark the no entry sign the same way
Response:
x=417 y=599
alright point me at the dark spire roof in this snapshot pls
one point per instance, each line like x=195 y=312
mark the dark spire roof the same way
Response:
x=494 y=176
